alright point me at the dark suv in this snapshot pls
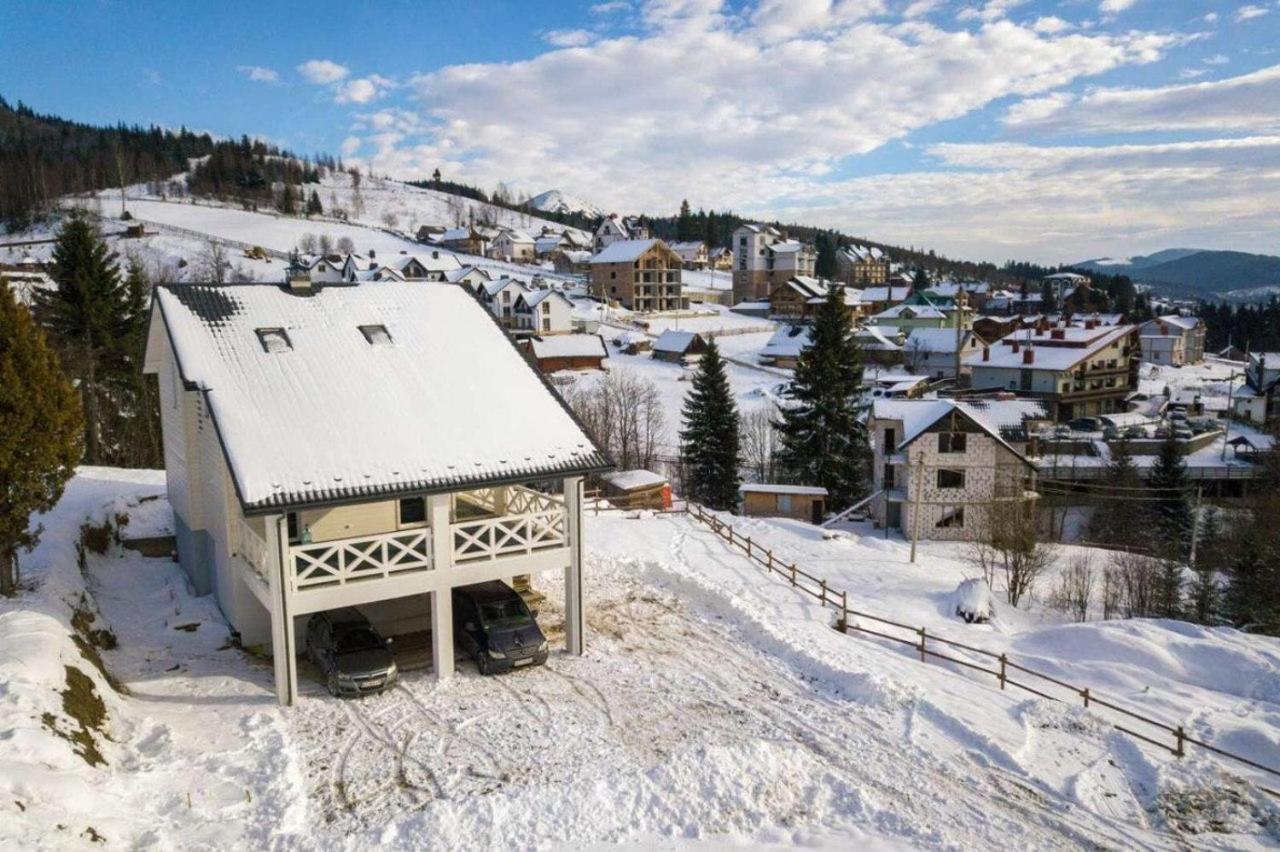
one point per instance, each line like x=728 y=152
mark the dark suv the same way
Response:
x=495 y=627
x=351 y=655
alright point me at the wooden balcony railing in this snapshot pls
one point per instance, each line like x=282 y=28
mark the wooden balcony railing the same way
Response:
x=490 y=538
x=347 y=560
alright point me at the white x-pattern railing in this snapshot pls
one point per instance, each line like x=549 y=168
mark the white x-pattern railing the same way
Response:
x=349 y=560
x=250 y=547
x=518 y=500
x=490 y=538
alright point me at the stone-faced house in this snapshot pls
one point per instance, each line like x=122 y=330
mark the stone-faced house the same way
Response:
x=947 y=466
x=325 y=448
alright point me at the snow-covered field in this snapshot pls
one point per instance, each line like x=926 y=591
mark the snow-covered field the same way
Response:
x=713 y=705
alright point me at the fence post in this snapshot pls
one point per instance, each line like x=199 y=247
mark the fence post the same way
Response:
x=769 y=552
x=923 y=638
x=793 y=573
x=748 y=547
x=824 y=592
x=844 y=611
x=1180 y=736
x=1084 y=693
x=1004 y=661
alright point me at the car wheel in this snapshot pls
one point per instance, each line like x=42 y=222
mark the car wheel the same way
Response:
x=332 y=684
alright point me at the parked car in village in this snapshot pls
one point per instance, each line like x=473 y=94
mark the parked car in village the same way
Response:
x=1085 y=424
x=494 y=626
x=352 y=656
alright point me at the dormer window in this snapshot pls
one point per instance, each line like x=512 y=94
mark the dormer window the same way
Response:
x=274 y=340
x=377 y=335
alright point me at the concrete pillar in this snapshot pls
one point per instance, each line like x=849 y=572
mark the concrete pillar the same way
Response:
x=282 y=639
x=574 y=621
x=441 y=600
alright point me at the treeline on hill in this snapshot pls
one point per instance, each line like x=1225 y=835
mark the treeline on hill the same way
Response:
x=1255 y=327
x=43 y=157
x=247 y=171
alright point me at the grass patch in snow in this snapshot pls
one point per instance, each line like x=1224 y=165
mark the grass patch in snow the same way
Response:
x=81 y=703
x=1216 y=804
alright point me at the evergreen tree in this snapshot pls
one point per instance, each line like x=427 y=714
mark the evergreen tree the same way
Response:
x=826 y=266
x=686 y=227
x=288 y=200
x=1168 y=589
x=823 y=441
x=93 y=319
x=710 y=435
x=314 y=207
x=1204 y=598
x=1118 y=520
x=920 y=281
x=40 y=432
x=1172 y=516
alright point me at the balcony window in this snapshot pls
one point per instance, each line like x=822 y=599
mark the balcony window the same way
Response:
x=952 y=518
x=949 y=478
x=951 y=442
x=377 y=335
x=413 y=510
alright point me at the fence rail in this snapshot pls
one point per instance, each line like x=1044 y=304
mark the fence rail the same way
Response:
x=848 y=620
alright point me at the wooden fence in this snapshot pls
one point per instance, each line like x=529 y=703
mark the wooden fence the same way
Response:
x=1171 y=738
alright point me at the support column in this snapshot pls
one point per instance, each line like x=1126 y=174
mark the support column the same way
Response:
x=442 y=598
x=282 y=640
x=574 y=621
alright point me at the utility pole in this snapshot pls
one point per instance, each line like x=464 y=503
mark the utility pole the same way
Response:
x=915 y=505
x=1195 y=524
x=1226 y=421
x=120 y=173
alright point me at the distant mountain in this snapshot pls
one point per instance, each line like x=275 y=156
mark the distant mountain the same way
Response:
x=555 y=201
x=1196 y=272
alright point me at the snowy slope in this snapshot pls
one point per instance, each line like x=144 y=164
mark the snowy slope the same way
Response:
x=555 y=201
x=713 y=705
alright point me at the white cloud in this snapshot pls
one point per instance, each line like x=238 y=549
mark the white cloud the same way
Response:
x=1246 y=13
x=992 y=10
x=920 y=8
x=1216 y=59
x=322 y=71
x=1051 y=25
x=1115 y=7
x=567 y=38
x=350 y=145
x=363 y=90
x=611 y=6
x=1191 y=73
x=259 y=74
x=1246 y=102
x=1211 y=18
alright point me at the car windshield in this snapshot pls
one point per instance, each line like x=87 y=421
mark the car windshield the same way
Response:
x=359 y=639
x=502 y=613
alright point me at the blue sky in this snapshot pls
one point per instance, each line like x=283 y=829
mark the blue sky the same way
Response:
x=1049 y=129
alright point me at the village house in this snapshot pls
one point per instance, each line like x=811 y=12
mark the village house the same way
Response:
x=568 y=352
x=862 y=266
x=513 y=246
x=910 y=316
x=693 y=253
x=614 y=228
x=430 y=233
x=640 y=275
x=325 y=448
x=800 y=296
x=877 y=299
x=24 y=278
x=467 y=239
x=471 y=277
x=1172 y=341
x=1077 y=371
x=763 y=258
x=943 y=469
x=1063 y=285
x=720 y=258
x=767 y=500
x=570 y=262
x=543 y=312
x=939 y=353
x=500 y=298
x=1014 y=303
x=1258 y=399
x=882 y=345
x=678 y=347
x=783 y=348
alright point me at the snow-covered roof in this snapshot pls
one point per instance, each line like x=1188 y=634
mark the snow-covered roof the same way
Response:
x=630 y=480
x=437 y=261
x=909 y=312
x=688 y=245
x=1003 y=419
x=624 y=251
x=1177 y=324
x=447 y=404
x=493 y=288
x=787 y=342
x=1076 y=344
x=878 y=338
x=456 y=275
x=773 y=488
x=935 y=340
x=885 y=294
x=1067 y=277
x=516 y=235
x=786 y=247
x=674 y=341
x=569 y=346
x=533 y=298
x=454 y=234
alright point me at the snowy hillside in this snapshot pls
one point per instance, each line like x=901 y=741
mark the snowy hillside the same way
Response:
x=714 y=704
x=555 y=201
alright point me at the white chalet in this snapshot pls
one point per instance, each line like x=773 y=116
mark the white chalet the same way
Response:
x=325 y=447
x=544 y=312
x=512 y=244
x=500 y=298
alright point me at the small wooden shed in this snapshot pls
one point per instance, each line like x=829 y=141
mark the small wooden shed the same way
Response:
x=679 y=347
x=568 y=352
x=768 y=500
x=636 y=489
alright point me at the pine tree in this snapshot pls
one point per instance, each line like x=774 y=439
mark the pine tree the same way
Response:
x=92 y=319
x=1168 y=589
x=710 y=435
x=1204 y=598
x=1117 y=520
x=1172 y=517
x=288 y=201
x=40 y=432
x=823 y=441
x=314 y=207
x=686 y=228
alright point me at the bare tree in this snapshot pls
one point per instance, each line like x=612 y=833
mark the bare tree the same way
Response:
x=1112 y=590
x=1010 y=546
x=325 y=244
x=357 y=200
x=391 y=220
x=214 y=266
x=916 y=355
x=624 y=414
x=345 y=245
x=1139 y=581
x=759 y=441
x=1075 y=587
x=307 y=243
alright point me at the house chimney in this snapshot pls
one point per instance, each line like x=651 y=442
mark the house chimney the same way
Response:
x=1016 y=347
x=435 y=255
x=372 y=254
x=1028 y=355
x=1057 y=334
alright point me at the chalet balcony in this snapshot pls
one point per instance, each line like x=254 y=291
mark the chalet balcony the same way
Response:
x=498 y=522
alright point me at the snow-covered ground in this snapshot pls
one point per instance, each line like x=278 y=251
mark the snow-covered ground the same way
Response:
x=714 y=705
